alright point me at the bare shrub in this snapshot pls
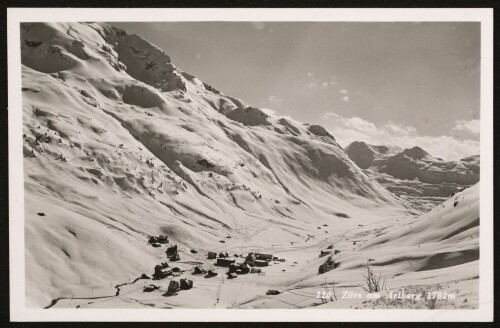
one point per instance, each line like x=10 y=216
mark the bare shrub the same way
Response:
x=372 y=283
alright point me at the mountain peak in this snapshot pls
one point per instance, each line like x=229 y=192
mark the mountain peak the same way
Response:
x=414 y=172
x=415 y=153
x=361 y=153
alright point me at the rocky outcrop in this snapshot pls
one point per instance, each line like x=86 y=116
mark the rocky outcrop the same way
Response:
x=361 y=153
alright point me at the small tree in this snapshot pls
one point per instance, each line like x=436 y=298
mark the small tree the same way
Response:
x=372 y=283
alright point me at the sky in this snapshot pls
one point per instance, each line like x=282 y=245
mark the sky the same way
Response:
x=398 y=83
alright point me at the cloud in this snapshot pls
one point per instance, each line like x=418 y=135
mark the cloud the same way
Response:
x=327 y=83
x=273 y=100
x=268 y=111
x=355 y=123
x=330 y=82
x=345 y=97
x=400 y=129
x=349 y=129
x=327 y=115
x=258 y=25
x=471 y=127
x=311 y=81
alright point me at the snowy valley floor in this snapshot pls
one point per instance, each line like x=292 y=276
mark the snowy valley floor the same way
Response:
x=447 y=270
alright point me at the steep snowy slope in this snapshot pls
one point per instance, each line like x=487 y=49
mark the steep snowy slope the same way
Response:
x=434 y=252
x=422 y=179
x=119 y=145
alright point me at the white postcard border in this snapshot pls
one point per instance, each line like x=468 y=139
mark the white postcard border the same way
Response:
x=18 y=310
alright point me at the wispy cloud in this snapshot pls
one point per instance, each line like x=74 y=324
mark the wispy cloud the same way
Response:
x=328 y=83
x=399 y=129
x=471 y=127
x=268 y=111
x=344 y=93
x=311 y=81
x=275 y=101
x=349 y=129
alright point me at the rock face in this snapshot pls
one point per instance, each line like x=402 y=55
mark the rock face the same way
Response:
x=361 y=153
x=414 y=172
x=320 y=131
x=119 y=144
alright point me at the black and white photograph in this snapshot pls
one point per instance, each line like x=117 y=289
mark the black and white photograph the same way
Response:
x=332 y=163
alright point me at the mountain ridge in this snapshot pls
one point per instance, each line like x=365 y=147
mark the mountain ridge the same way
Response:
x=414 y=174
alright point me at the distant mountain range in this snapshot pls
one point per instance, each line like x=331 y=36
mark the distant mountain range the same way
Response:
x=415 y=173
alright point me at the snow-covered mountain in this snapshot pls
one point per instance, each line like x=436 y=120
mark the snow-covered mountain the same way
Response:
x=121 y=145
x=415 y=174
